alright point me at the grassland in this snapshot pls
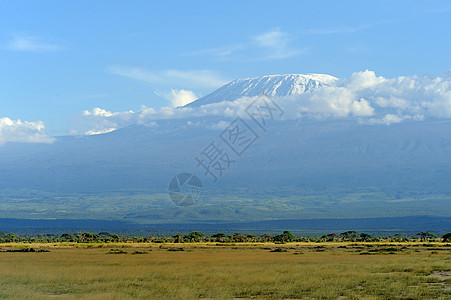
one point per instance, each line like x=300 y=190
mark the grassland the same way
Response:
x=152 y=206
x=226 y=271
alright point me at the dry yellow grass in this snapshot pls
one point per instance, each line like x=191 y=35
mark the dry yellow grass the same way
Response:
x=224 y=272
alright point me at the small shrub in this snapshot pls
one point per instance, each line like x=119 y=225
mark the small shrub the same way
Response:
x=116 y=251
x=176 y=249
x=27 y=250
x=279 y=250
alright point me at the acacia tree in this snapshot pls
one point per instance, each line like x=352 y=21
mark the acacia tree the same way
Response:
x=365 y=237
x=425 y=236
x=219 y=237
x=350 y=235
x=329 y=237
x=68 y=237
x=285 y=237
x=194 y=236
x=178 y=238
x=238 y=237
x=266 y=237
x=10 y=237
x=447 y=237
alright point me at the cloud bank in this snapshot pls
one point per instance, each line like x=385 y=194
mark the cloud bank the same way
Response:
x=23 y=132
x=365 y=97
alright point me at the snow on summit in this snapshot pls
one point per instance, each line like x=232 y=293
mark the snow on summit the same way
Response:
x=270 y=85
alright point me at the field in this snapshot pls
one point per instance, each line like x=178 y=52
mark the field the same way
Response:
x=153 y=207
x=226 y=271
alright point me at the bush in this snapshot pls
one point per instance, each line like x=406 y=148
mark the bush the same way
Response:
x=279 y=250
x=176 y=249
x=116 y=251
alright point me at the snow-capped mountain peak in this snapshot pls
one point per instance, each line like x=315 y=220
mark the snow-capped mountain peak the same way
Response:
x=270 y=85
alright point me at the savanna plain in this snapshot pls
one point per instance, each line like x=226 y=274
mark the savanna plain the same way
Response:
x=342 y=270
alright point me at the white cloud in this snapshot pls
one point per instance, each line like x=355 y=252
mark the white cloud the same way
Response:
x=222 y=51
x=270 y=45
x=391 y=101
x=23 y=132
x=273 y=38
x=99 y=112
x=196 y=78
x=330 y=102
x=102 y=131
x=276 y=44
x=221 y=125
x=179 y=98
x=31 y=44
x=388 y=119
x=392 y=119
x=367 y=98
x=98 y=121
x=364 y=80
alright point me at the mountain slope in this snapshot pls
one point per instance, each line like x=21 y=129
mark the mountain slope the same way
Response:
x=308 y=169
x=297 y=169
x=270 y=85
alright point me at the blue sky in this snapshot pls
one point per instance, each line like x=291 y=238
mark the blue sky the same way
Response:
x=58 y=59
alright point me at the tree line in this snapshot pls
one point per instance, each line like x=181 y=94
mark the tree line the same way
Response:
x=196 y=236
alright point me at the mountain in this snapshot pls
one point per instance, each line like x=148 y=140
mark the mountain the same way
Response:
x=296 y=169
x=270 y=85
